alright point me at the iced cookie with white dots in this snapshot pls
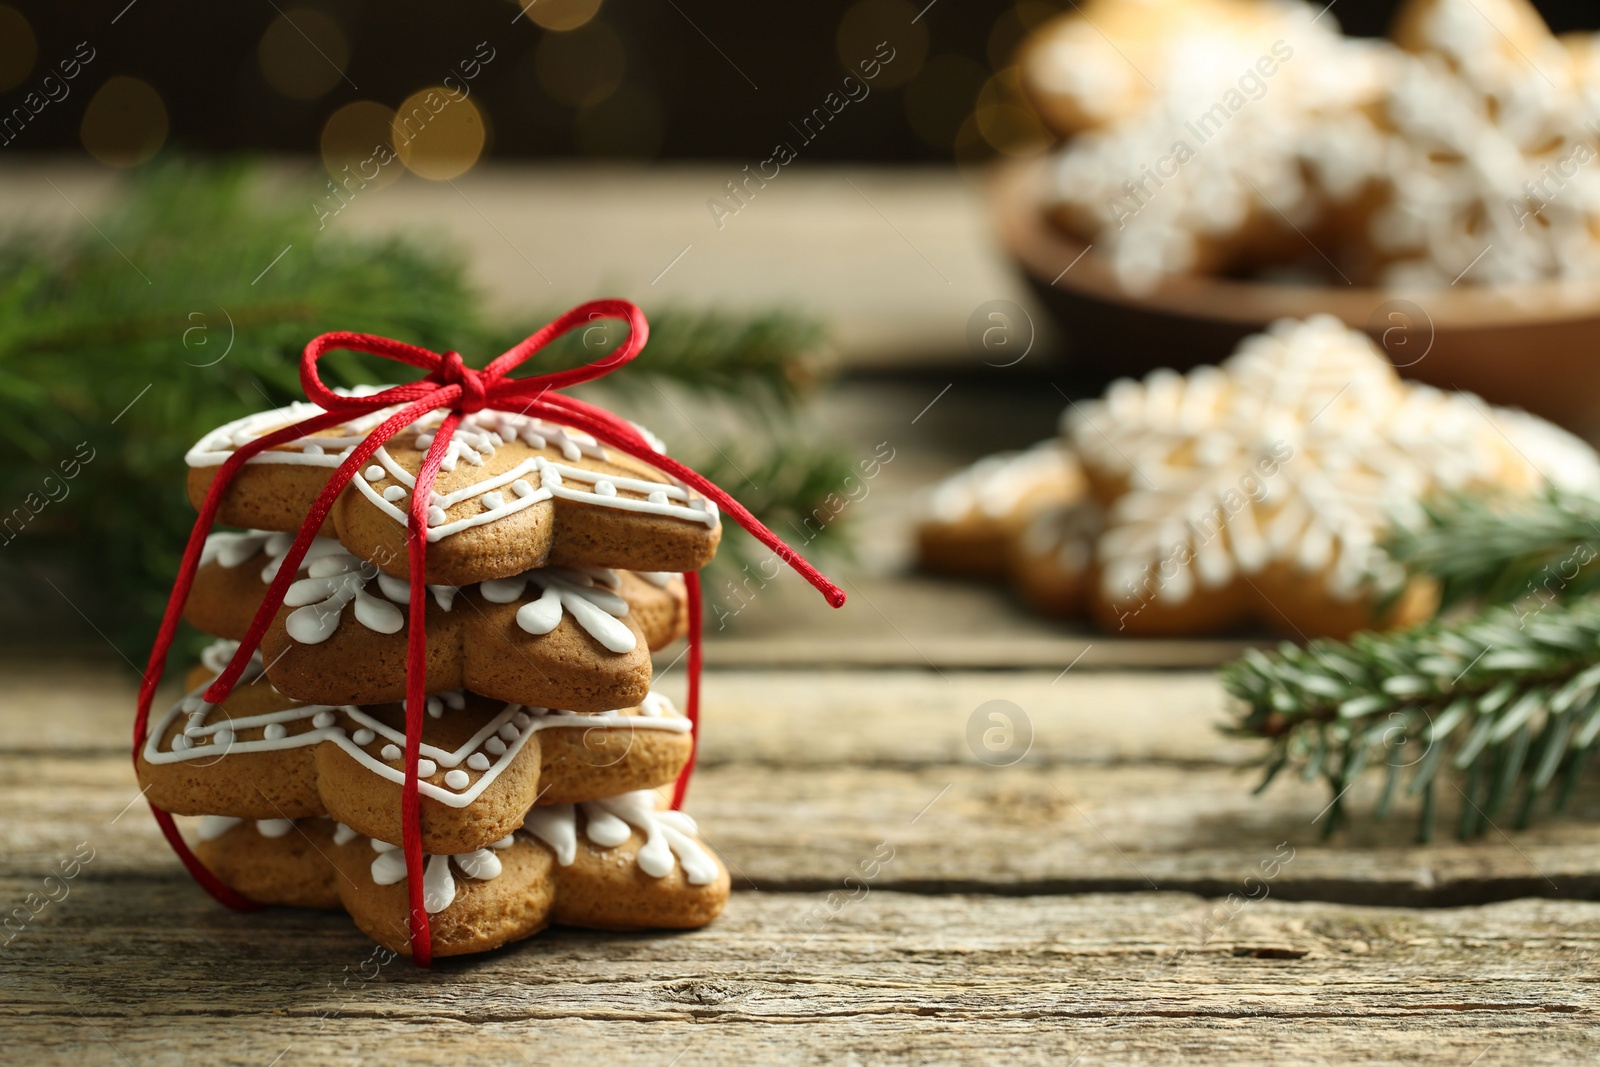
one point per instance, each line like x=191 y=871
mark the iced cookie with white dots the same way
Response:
x=615 y=863
x=263 y=756
x=573 y=638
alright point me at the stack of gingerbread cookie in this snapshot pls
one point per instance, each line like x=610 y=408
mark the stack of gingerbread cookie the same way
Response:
x=552 y=574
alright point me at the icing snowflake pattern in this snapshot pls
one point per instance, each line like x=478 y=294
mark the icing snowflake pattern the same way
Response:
x=1302 y=448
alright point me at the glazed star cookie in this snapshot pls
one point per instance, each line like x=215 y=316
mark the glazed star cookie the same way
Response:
x=1051 y=559
x=1261 y=489
x=578 y=639
x=261 y=755
x=1250 y=144
x=1106 y=61
x=616 y=863
x=968 y=520
x=1490 y=173
x=515 y=493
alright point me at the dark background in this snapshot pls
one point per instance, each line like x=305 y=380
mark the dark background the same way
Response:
x=674 y=95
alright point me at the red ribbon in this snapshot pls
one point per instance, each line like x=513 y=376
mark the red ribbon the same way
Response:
x=452 y=385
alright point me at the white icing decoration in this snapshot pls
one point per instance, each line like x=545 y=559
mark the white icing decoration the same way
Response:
x=438 y=886
x=214 y=826
x=997 y=485
x=215 y=658
x=274 y=827
x=458 y=779
x=501 y=738
x=474 y=441
x=669 y=835
x=577 y=592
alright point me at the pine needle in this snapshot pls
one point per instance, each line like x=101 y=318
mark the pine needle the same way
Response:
x=1490 y=701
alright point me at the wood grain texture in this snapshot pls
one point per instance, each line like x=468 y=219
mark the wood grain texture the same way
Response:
x=151 y=972
x=1092 y=900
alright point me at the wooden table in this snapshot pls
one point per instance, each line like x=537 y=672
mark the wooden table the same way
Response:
x=1114 y=896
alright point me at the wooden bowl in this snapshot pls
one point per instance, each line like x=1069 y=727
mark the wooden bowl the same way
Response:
x=1534 y=346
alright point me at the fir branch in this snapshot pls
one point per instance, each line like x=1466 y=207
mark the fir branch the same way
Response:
x=1497 y=551
x=1509 y=701
x=175 y=277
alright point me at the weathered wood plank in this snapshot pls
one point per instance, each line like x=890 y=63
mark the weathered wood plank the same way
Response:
x=910 y=620
x=1018 y=830
x=907 y=717
x=152 y=972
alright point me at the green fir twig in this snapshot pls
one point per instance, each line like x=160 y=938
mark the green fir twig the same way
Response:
x=1492 y=550
x=1501 y=707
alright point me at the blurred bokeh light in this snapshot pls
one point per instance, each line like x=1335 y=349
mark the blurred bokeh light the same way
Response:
x=870 y=23
x=18 y=49
x=583 y=67
x=438 y=134
x=356 y=139
x=561 y=14
x=125 y=123
x=303 y=54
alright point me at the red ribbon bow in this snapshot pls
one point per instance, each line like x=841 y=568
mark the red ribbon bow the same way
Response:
x=453 y=385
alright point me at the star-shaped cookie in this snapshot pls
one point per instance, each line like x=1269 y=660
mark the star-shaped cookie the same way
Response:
x=515 y=493
x=578 y=639
x=617 y=863
x=1260 y=489
x=261 y=755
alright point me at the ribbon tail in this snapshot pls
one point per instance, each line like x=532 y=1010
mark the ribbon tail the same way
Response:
x=691 y=582
x=417 y=688
x=289 y=567
x=190 y=563
x=621 y=435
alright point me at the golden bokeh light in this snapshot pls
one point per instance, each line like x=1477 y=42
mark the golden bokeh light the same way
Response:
x=580 y=68
x=877 y=29
x=125 y=123
x=560 y=14
x=437 y=133
x=941 y=98
x=1006 y=121
x=1013 y=26
x=628 y=124
x=18 y=49
x=303 y=54
x=356 y=141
